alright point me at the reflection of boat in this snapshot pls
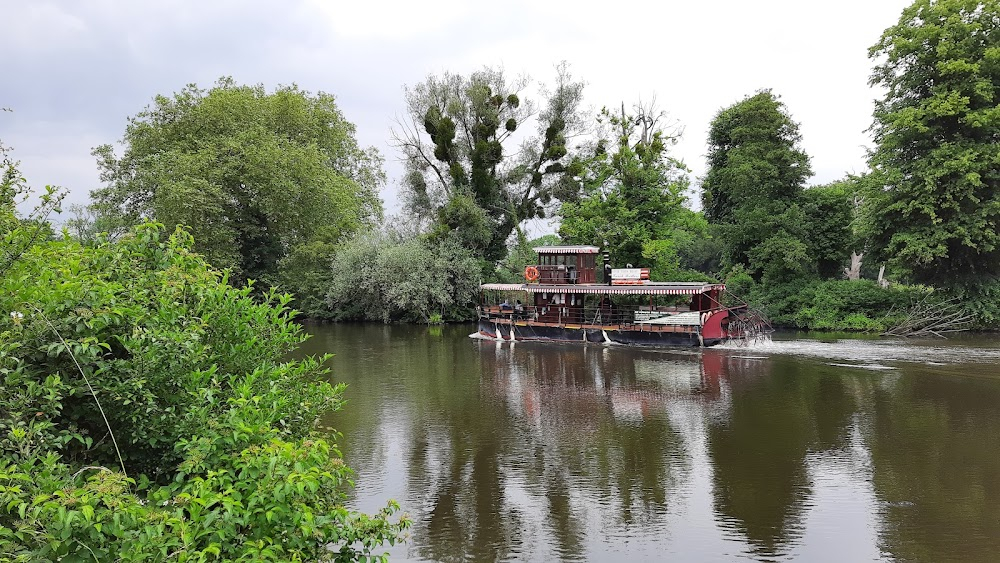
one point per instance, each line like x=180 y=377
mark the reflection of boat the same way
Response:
x=581 y=382
x=564 y=302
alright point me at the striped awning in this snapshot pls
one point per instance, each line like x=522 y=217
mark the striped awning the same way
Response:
x=576 y=249
x=503 y=286
x=676 y=288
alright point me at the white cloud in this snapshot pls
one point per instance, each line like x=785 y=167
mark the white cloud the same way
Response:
x=84 y=67
x=390 y=20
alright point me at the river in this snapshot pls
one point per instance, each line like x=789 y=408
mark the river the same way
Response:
x=804 y=449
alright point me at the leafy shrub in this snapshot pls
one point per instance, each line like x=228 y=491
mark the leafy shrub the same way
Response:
x=739 y=282
x=218 y=455
x=981 y=300
x=859 y=305
x=386 y=277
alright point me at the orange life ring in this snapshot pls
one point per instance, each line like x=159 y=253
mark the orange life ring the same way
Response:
x=531 y=273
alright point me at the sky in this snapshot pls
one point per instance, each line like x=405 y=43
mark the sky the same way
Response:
x=73 y=72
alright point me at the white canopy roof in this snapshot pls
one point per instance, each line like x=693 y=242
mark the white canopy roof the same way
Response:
x=579 y=249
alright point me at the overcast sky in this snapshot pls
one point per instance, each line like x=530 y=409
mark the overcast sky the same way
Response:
x=74 y=71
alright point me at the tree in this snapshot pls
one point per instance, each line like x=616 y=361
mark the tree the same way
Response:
x=81 y=224
x=632 y=190
x=392 y=276
x=830 y=212
x=456 y=144
x=937 y=133
x=753 y=187
x=252 y=174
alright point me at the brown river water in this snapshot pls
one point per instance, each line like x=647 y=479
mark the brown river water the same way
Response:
x=797 y=449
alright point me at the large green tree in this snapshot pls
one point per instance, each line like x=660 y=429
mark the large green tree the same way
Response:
x=252 y=174
x=751 y=192
x=632 y=191
x=937 y=132
x=458 y=143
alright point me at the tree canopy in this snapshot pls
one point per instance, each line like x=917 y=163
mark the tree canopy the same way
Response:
x=936 y=206
x=458 y=142
x=252 y=174
x=632 y=191
x=751 y=192
x=831 y=216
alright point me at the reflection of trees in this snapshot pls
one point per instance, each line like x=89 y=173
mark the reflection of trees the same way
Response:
x=779 y=413
x=454 y=442
x=526 y=451
x=935 y=447
x=598 y=433
x=507 y=448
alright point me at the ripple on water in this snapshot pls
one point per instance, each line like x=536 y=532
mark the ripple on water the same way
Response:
x=874 y=354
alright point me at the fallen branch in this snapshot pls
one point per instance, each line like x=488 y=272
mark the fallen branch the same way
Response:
x=932 y=319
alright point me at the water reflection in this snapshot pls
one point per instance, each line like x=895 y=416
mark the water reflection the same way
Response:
x=579 y=452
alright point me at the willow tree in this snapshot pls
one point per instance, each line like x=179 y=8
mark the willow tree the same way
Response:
x=461 y=152
x=254 y=175
x=937 y=131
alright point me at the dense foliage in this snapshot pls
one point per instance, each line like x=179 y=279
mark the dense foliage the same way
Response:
x=253 y=175
x=389 y=276
x=753 y=186
x=831 y=225
x=460 y=162
x=831 y=304
x=631 y=201
x=147 y=412
x=935 y=209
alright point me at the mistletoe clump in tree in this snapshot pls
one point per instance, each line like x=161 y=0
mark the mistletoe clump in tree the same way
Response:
x=463 y=173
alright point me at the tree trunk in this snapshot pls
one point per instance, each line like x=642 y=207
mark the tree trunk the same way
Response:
x=882 y=282
x=854 y=272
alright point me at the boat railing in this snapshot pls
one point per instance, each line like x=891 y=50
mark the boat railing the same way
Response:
x=619 y=317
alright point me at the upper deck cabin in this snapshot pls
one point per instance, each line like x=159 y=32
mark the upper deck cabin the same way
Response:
x=567 y=264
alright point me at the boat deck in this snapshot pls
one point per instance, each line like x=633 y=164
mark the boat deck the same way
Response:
x=506 y=319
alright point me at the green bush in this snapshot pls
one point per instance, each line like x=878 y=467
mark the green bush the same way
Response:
x=840 y=305
x=387 y=277
x=981 y=300
x=218 y=460
x=860 y=305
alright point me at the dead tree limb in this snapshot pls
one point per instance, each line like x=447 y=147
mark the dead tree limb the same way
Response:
x=926 y=318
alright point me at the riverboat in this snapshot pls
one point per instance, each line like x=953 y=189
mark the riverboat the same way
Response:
x=562 y=300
